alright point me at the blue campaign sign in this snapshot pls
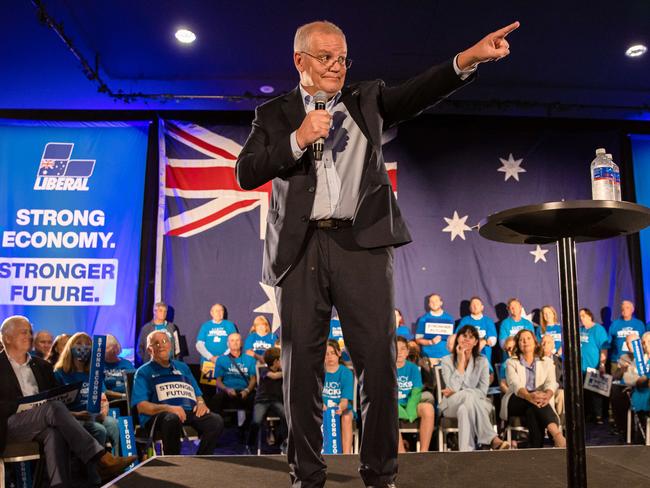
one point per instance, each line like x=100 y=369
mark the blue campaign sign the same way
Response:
x=96 y=376
x=70 y=224
x=127 y=437
x=641 y=366
x=331 y=432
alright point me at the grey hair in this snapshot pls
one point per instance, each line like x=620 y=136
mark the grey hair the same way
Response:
x=10 y=323
x=40 y=332
x=302 y=39
x=112 y=341
x=160 y=304
x=153 y=333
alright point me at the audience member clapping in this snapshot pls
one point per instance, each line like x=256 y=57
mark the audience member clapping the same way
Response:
x=409 y=385
x=531 y=387
x=466 y=375
x=338 y=391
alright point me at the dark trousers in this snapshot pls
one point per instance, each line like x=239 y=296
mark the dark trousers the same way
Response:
x=594 y=403
x=260 y=411
x=333 y=270
x=170 y=428
x=222 y=401
x=620 y=400
x=60 y=433
x=537 y=419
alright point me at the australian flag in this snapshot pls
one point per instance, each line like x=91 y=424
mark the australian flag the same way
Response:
x=56 y=162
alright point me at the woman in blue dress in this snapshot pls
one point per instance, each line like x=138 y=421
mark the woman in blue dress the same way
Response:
x=338 y=392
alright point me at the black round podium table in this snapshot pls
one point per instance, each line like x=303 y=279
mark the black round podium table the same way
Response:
x=566 y=223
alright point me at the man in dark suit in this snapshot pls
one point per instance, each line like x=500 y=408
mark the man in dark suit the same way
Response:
x=51 y=423
x=332 y=226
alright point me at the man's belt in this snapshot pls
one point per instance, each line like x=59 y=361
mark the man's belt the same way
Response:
x=330 y=224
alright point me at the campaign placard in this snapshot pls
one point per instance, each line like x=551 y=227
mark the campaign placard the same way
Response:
x=332 y=432
x=97 y=366
x=437 y=328
x=127 y=438
x=598 y=383
x=641 y=367
x=65 y=394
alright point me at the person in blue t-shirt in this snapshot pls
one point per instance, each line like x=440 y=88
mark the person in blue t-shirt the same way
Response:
x=484 y=325
x=338 y=392
x=167 y=397
x=594 y=344
x=115 y=365
x=236 y=378
x=401 y=328
x=409 y=386
x=260 y=339
x=73 y=366
x=509 y=349
x=434 y=329
x=620 y=329
x=336 y=334
x=548 y=325
x=513 y=324
x=212 y=339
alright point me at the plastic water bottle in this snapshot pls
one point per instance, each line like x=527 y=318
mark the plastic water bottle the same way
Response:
x=602 y=177
x=617 y=178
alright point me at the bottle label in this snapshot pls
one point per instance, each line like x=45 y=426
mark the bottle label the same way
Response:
x=603 y=173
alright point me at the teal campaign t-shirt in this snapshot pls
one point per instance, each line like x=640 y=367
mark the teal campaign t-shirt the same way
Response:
x=338 y=385
x=408 y=377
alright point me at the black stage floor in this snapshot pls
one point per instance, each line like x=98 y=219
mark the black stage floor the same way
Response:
x=608 y=467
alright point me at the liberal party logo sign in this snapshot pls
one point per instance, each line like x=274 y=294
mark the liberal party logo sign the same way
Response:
x=57 y=172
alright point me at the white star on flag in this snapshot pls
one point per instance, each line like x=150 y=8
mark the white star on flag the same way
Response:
x=527 y=316
x=511 y=167
x=539 y=253
x=457 y=226
x=270 y=307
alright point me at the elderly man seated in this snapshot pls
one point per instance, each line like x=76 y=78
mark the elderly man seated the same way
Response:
x=167 y=397
x=42 y=344
x=50 y=423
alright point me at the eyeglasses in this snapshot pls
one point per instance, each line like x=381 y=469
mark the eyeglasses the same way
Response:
x=160 y=343
x=328 y=60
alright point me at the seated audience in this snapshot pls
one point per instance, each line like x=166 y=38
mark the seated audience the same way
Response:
x=42 y=344
x=484 y=325
x=50 y=423
x=434 y=329
x=259 y=339
x=549 y=325
x=511 y=325
x=619 y=330
x=235 y=378
x=401 y=328
x=212 y=340
x=167 y=397
x=57 y=348
x=466 y=375
x=115 y=365
x=426 y=372
x=594 y=344
x=268 y=399
x=338 y=391
x=336 y=334
x=159 y=322
x=531 y=387
x=73 y=366
x=639 y=399
x=409 y=385
x=548 y=348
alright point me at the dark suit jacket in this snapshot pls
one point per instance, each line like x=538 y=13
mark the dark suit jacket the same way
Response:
x=267 y=156
x=10 y=391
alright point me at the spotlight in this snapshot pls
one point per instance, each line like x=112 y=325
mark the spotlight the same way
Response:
x=185 y=36
x=267 y=89
x=636 y=50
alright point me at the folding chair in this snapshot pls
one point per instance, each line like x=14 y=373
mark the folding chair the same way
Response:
x=18 y=452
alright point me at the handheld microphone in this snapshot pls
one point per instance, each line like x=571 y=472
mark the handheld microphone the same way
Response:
x=320 y=99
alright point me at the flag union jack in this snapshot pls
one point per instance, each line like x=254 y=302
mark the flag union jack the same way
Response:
x=199 y=175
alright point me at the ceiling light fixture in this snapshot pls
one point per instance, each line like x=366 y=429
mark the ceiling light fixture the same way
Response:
x=185 y=36
x=636 y=50
x=267 y=89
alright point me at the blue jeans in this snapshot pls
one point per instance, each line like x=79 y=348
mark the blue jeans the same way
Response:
x=260 y=412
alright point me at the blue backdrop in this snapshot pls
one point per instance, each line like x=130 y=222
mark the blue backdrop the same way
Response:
x=641 y=159
x=71 y=224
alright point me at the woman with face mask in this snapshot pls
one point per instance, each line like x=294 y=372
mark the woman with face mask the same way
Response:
x=73 y=366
